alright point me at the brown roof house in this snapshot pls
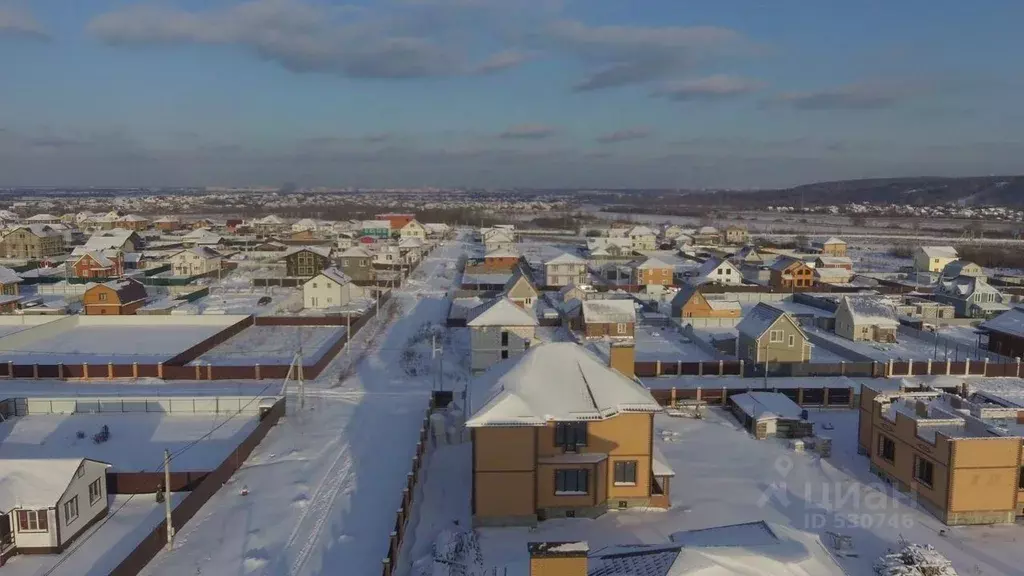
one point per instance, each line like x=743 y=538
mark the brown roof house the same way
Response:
x=768 y=334
x=33 y=242
x=609 y=318
x=557 y=433
x=866 y=318
x=114 y=298
x=1006 y=332
x=499 y=329
x=45 y=504
x=788 y=273
x=833 y=247
x=307 y=261
x=690 y=302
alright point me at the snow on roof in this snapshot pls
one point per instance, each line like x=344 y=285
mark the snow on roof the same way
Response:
x=659 y=464
x=785 y=262
x=133 y=218
x=410 y=242
x=940 y=252
x=832 y=273
x=609 y=311
x=167 y=220
x=356 y=252
x=1010 y=322
x=324 y=251
x=557 y=381
x=767 y=405
x=566 y=258
x=502 y=253
x=374 y=224
x=723 y=305
x=8 y=276
x=872 y=310
x=758 y=320
x=835 y=260
x=42 y=218
x=333 y=273
x=99 y=257
x=641 y=231
x=711 y=264
x=35 y=482
x=833 y=240
x=500 y=312
x=270 y=219
x=654 y=263
x=707 y=230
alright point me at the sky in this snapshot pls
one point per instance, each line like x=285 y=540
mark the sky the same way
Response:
x=505 y=93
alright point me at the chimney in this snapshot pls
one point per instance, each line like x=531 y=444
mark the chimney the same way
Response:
x=621 y=356
x=558 y=558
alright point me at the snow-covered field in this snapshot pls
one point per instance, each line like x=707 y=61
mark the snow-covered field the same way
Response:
x=658 y=343
x=905 y=348
x=121 y=344
x=137 y=440
x=325 y=484
x=724 y=476
x=273 y=345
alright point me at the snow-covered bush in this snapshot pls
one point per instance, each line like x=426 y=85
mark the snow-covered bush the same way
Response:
x=914 y=560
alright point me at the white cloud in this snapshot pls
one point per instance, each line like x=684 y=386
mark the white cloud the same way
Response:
x=717 y=87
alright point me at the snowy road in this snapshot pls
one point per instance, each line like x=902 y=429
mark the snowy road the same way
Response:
x=324 y=486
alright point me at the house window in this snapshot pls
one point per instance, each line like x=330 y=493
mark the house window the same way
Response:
x=728 y=271
x=570 y=434
x=95 y=491
x=1020 y=479
x=886 y=448
x=32 y=521
x=71 y=511
x=314 y=285
x=620 y=328
x=102 y=296
x=625 y=473
x=571 y=481
x=504 y=354
x=792 y=341
x=924 y=471
x=775 y=336
x=504 y=338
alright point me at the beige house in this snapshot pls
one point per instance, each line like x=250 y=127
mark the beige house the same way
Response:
x=933 y=258
x=413 y=230
x=833 y=247
x=963 y=268
x=520 y=290
x=768 y=334
x=499 y=330
x=736 y=235
x=566 y=269
x=196 y=261
x=960 y=458
x=558 y=433
x=642 y=238
x=866 y=318
x=32 y=242
x=609 y=318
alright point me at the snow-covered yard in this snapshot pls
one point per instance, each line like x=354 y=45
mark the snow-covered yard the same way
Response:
x=122 y=344
x=666 y=344
x=269 y=345
x=905 y=348
x=137 y=440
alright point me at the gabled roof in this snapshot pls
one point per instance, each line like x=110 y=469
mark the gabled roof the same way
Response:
x=8 y=276
x=502 y=253
x=334 y=274
x=376 y=224
x=871 y=310
x=410 y=242
x=832 y=273
x=500 y=312
x=132 y=218
x=98 y=257
x=835 y=260
x=204 y=252
x=566 y=258
x=128 y=290
x=518 y=275
x=833 y=240
x=1010 y=322
x=557 y=381
x=785 y=262
x=707 y=230
x=641 y=230
x=652 y=263
x=956 y=268
x=36 y=482
x=760 y=318
x=356 y=252
x=939 y=252
x=42 y=218
x=609 y=311
x=712 y=264
x=324 y=251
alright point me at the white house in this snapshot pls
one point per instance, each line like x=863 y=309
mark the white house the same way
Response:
x=306 y=224
x=329 y=289
x=47 y=503
x=566 y=269
x=933 y=258
x=642 y=238
x=499 y=329
x=499 y=239
x=719 y=271
x=195 y=261
x=413 y=229
x=388 y=255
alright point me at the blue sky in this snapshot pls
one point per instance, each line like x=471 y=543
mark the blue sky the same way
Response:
x=666 y=93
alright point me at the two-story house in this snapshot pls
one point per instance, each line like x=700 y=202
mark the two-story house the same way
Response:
x=642 y=238
x=307 y=261
x=331 y=288
x=520 y=290
x=963 y=268
x=32 y=242
x=768 y=334
x=557 y=433
x=413 y=229
x=609 y=318
x=499 y=329
x=933 y=258
x=379 y=229
x=132 y=222
x=788 y=273
x=566 y=269
x=654 y=272
x=871 y=318
x=196 y=261
x=690 y=302
x=736 y=235
x=718 y=271
x=115 y=298
x=971 y=297
x=357 y=263
x=97 y=264
x=833 y=247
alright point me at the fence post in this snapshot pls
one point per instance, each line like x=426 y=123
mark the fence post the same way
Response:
x=672 y=396
x=910 y=367
x=699 y=390
x=888 y=371
x=209 y=371
x=721 y=367
x=742 y=371
x=60 y=370
x=824 y=400
x=929 y=366
x=160 y=370
x=947 y=366
x=110 y=370
x=135 y=369
x=257 y=369
x=679 y=367
x=85 y=370
x=842 y=367
x=1018 y=366
x=35 y=371
x=657 y=367
x=986 y=365
x=199 y=373
x=700 y=368
x=967 y=366
x=10 y=368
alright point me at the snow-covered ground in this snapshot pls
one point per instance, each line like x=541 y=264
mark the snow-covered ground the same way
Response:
x=269 y=345
x=325 y=484
x=667 y=344
x=101 y=548
x=121 y=344
x=906 y=348
x=137 y=440
x=724 y=476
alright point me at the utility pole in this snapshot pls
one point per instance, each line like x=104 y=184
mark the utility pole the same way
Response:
x=167 y=498
x=348 y=331
x=302 y=380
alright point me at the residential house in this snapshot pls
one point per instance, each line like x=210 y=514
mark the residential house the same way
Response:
x=871 y=318
x=196 y=261
x=168 y=223
x=505 y=259
x=736 y=235
x=32 y=242
x=831 y=276
x=672 y=231
x=833 y=247
x=767 y=414
x=788 y=273
x=396 y=221
x=707 y=236
x=119 y=239
x=718 y=271
x=413 y=229
x=344 y=240
x=499 y=329
x=43 y=219
x=10 y=291
x=331 y=288
x=962 y=268
x=132 y=222
x=1006 y=332
x=609 y=318
x=437 y=229
x=690 y=302
x=115 y=298
x=557 y=433
x=566 y=269
x=655 y=272
x=306 y=225
x=499 y=239
x=45 y=504
x=268 y=225
x=307 y=261
x=357 y=264
x=202 y=237
x=520 y=290
x=842 y=262
x=768 y=334
x=748 y=256
x=933 y=258
x=412 y=249
x=96 y=264
x=642 y=238
x=379 y=229
x=971 y=297
x=388 y=256
x=960 y=458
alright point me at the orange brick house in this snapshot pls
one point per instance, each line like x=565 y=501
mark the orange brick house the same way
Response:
x=115 y=298
x=95 y=264
x=501 y=259
x=690 y=302
x=789 y=273
x=654 y=272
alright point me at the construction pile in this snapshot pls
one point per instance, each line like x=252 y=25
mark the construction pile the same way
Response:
x=914 y=560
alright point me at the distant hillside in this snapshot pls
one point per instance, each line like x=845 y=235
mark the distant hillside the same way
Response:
x=970 y=191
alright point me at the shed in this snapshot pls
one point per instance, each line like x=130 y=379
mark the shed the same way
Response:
x=767 y=414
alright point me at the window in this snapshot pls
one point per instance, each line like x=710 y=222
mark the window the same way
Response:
x=33 y=521
x=504 y=354
x=792 y=341
x=620 y=328
x=728 y=271
x=924 y=471
x=504 y=338
x=625 y=472
x=570 y=434
x=71 y=511
x=95 y=491
x=1020 y=479
x=720 y=272
x=102 y=296
x=314 y=285
x=886 y=448
x=571 y=481
x=775 y=336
